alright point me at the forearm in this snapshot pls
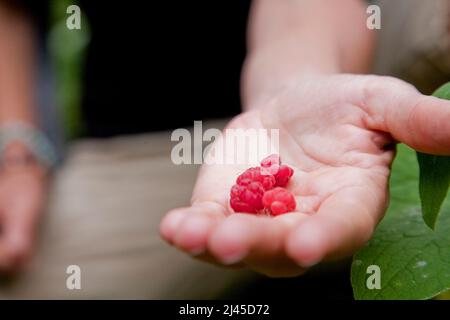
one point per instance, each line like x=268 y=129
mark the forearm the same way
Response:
x=17 y=67
x=291 y=38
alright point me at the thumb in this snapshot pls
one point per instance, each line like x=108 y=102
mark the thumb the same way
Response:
x=422 y=122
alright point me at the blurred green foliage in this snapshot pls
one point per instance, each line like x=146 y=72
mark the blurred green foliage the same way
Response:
x=67 y=49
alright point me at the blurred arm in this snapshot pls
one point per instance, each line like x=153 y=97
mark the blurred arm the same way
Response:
x=290 y=38
x=22 y=182
x=17 y=66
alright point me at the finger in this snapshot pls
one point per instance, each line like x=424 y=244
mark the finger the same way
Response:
x=194 y=230
x=208 y=258
x=170 y=223
x=422 y=122
x=17 y=238
x=6 y=260
x=19 y=233
x=250 y=237
x=341 y=226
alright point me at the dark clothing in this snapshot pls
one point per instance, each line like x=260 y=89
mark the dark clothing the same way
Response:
x=154 y=65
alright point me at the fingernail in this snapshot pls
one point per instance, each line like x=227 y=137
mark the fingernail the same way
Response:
x=233 y=258
x=309 y=264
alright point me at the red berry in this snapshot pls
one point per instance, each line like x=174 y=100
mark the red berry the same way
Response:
x=279 y=201
x=257 y=174
x=271 y=163
x=247 y=198
x=261 y=189
x=271 y=160
x=281 y=172
x=283 y=175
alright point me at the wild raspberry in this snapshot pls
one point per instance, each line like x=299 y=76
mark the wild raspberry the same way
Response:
x=278 y=201
x=247 y=198
x=283 y=175
x=281 y=172
x=257 y=174
x=270 y=161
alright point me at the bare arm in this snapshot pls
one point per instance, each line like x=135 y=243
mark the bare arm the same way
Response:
x=22 y=182
x=289 y=38
x=333 y=130
x=17 y=66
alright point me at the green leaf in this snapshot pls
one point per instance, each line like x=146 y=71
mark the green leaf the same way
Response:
x=443 y=91
x=433 y=185
x=413 y=260
x=434 y=176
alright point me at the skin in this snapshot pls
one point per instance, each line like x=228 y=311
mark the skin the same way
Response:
x=22 y=186
x=338 y=130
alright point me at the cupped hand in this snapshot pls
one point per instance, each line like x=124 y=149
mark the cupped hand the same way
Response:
x=338 y=133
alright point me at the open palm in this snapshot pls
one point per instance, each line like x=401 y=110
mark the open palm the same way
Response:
x=337 y=132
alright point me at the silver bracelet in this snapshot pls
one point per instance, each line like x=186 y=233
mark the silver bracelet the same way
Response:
x=35 y=140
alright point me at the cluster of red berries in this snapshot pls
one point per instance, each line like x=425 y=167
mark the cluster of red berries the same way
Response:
x=262 y=189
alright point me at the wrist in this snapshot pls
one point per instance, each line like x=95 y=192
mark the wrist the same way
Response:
x=266 y=73
x=22 y=145
x=17 y=155
x=291 y=40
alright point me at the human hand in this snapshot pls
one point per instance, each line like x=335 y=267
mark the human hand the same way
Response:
x=337 y=132
x=22 y=194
